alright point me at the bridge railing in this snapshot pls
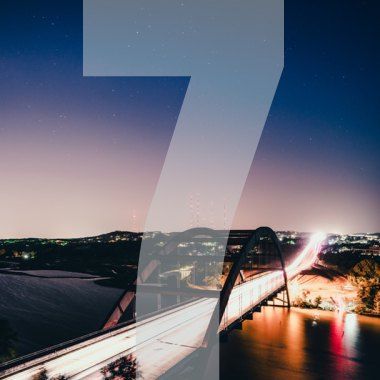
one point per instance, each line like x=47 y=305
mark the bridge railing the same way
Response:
x=246 y=296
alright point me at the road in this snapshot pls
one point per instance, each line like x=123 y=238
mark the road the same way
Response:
x=160 y=342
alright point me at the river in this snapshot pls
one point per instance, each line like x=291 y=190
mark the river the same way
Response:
x=302 y=344
x=46 y=311
x=277 y=344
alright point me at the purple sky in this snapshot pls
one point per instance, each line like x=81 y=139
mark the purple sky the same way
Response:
x=81 y=156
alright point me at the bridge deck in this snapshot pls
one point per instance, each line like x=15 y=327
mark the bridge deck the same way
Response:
x=163 y=340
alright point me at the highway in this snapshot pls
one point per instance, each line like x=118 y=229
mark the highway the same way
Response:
x=163 y=340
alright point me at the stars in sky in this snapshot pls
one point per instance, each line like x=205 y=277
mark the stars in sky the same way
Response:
x=322 y=129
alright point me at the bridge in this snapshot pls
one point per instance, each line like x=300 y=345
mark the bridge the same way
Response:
x=252 y=273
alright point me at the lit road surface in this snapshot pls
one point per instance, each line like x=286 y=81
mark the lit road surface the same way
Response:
x=159 y=336
x=245 y=296
x=165 y=339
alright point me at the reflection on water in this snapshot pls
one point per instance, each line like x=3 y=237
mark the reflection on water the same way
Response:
x=302 y=344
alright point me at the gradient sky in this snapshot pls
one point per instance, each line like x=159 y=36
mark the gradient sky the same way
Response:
x=81 y=156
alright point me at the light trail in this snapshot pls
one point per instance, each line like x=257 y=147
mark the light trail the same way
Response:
x=166 y=339
x=308 y=255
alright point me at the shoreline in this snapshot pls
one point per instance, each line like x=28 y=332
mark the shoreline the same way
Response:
x=334 y=311
x=70 y=275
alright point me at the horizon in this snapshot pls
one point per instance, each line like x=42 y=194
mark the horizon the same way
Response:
x=176 y=232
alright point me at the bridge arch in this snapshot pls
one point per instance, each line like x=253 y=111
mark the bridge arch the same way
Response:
x=253 y=240
x=233 y=275
x=170 y=247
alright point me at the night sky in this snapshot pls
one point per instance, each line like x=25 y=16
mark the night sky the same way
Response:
x=81 y=155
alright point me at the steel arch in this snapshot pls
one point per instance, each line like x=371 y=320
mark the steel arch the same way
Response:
x=253 y=240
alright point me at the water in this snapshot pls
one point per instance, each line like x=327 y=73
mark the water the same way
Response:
x=282 y=344
x=277 y=344
x=47 y=311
